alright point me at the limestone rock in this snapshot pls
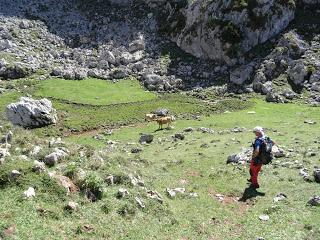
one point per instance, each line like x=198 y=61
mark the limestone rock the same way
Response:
x=241 y=158
x=274 y=97
x=242 y=74
x=54 y=157
x=221 y=30
x=146 y=138
x=154 y=195
x=31 y=113
x=316 y=175
x=314 y=201
x=30 y=193
x=72 y=206
x=297 y=72
x=174 y=191
x=122 y=192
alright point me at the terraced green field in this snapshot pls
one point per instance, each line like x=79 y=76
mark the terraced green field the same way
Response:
x=94 y=91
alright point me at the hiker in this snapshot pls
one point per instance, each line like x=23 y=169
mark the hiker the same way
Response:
x=261 y=154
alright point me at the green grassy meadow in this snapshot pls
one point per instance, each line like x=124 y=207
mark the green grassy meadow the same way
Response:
x=197 y=163
x=94 y=91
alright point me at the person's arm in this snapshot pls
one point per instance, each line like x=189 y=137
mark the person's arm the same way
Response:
x=256 y=150
x=255 y=153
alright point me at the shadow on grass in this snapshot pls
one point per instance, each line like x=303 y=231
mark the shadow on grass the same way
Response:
x=250 y=192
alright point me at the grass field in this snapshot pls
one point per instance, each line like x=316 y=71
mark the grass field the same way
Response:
x=197 y=163
x=94 y=91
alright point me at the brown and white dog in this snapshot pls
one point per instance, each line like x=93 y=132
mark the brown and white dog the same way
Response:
x=165 y=120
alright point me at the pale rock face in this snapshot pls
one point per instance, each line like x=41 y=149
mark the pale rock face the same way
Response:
x=31 y=113
x=221 y=30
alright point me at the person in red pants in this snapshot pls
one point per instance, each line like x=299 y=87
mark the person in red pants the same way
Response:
x=256 y=162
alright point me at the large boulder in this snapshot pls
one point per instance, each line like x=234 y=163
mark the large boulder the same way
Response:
x=242 y=74
x=297 y=72
x=30 y=113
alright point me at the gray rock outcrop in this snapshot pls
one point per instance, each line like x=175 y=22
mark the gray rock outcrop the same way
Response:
x=222 y=30
x=30 y=113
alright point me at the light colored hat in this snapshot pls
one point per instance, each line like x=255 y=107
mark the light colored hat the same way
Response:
x=259 y=130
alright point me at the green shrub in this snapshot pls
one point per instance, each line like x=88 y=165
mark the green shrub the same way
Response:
x=94 y=183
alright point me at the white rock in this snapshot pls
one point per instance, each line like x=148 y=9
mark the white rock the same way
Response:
x=264 y=217
x=173 y=192
x=140 y=202
x=31 y=113
x=38 y=166
x=30 y=193
x=122 y=192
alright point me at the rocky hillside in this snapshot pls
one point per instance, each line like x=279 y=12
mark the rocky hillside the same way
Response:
x=271 y=47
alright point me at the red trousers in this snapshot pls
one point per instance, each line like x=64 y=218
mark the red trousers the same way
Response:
x=254 y=172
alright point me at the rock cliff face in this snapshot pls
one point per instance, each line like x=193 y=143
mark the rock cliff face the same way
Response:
x=223 y=30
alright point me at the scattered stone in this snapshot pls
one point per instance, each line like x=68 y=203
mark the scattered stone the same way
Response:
x=220 y=197
x=30 y=193
x=122 y=192
x=205 y=130
x=240 y=158
x=189 y=129
x=7 y=138
x=3 y=154
x=31 y=113
x=146 y=138
x=316 y=175
x=173 y=192
x=205 y=145
x=136 y=150
x=278 y=152
x=15 y=174
x=66 y=183
x=194 y=195
x=279 y=197
x=140 y=203
x=38 y=167
x=314 y=201
x=305 y=175
x=264 y=217
x=251 y=112
x=72 y=206
x=155 y=195
x=274 y=97
x=310 y=122
x=179 y=136
x=55 y=157
x=136 y=181
x=311 y=154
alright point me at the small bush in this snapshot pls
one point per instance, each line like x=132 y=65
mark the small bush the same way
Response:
x=94 y=183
